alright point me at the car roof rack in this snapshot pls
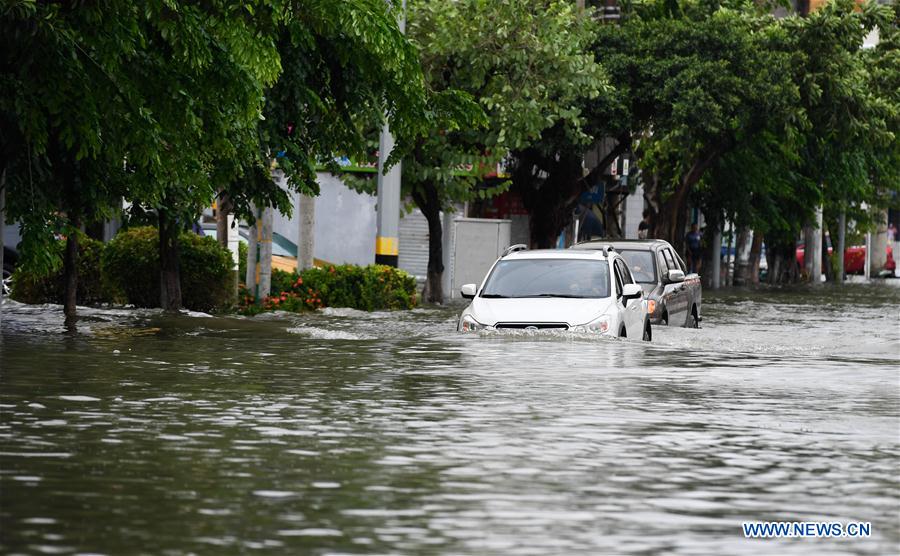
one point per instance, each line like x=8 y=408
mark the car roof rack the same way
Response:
x=514 y=248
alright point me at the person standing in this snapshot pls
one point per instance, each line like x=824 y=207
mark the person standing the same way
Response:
x=644 y=226
x=694 y=251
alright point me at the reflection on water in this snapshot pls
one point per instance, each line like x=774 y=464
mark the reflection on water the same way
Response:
x=349 y=432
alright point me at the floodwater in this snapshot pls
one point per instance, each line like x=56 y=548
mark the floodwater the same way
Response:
x=389 y=433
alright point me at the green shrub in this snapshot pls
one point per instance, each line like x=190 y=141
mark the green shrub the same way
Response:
x=368 y=288
x=130 y=266
x=28 y=287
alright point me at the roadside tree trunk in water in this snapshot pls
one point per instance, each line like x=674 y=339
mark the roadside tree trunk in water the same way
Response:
x=70 y=274
x=169 y=264
x=222 y=212
x=782 y=259
x=426 y=198
x=827 y=269
x=741 y=269
x=711 y=249
x=753 y=260
x=70 y=256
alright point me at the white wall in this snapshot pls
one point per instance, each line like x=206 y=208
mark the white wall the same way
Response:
x=345 y=223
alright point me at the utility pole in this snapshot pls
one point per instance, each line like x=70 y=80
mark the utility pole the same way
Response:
x=387 y=239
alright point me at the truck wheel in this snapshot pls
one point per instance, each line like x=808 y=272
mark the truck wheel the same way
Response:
x=648 y=334
x=622 y=333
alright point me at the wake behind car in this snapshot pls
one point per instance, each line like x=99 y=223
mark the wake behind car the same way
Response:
x=581 y=291
x=673 y=294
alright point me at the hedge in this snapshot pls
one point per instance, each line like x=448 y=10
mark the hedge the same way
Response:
x=130 y=264
x=28 y=287
x=126 y=270
x=367 y=288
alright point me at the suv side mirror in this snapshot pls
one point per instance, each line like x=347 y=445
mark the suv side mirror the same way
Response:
x=631 y=291
x=675 y=276
x=468 y=291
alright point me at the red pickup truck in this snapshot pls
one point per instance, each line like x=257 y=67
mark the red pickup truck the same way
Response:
x=854 y=258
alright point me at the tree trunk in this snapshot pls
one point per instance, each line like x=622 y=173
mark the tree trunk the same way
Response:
x=169 y=263
x=753 y=260
x=741 y=261
x=812 y=249
x=716 y=259
x=550 y=201
x=426 y=198
x=827 y=269
x=70 y=274
x=842 y=232
x=671 y=212
x=222 y=212
x=783 y=267
x=665 y=225
x=70 y=256
x=879 y=244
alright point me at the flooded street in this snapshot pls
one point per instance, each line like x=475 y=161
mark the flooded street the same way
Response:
x=390 y=433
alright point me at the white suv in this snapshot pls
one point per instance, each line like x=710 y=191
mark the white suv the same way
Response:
x=582 y=291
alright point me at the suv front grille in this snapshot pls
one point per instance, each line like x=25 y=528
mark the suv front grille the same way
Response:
x=532 y=325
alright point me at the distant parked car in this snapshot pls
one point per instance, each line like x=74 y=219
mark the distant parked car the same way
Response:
x=673 y=295
x=854 y=258
x=591 y=292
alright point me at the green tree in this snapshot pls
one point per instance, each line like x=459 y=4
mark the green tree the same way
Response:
x=115 y=100
x=526 y=66
x=164 y=103
x=347 y=65
x=698 y=79
x=840 y=151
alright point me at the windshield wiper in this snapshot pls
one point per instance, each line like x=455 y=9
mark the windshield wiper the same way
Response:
x=494 y=296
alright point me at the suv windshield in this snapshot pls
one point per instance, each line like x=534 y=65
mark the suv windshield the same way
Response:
x=548 y=278
x=641 y=264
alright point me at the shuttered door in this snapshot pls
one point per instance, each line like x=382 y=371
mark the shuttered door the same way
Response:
x=414 y=244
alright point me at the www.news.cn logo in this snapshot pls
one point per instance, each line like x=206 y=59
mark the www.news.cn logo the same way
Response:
x=805 y=529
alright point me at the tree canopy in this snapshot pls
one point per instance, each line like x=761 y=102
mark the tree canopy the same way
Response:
x=164 y=103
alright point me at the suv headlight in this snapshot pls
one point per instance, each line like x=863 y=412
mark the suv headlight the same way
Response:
x=468 y=324
x=598 y=326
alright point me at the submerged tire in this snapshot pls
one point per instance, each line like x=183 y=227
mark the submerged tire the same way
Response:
x=648 y=333
x=622 y=333
x=693 y=320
